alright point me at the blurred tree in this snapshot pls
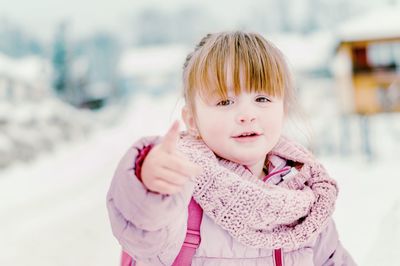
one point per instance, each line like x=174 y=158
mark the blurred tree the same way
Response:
x=283 y=6
x=101 y=52
x=190 y=23
x=15 y=42
x=60 y=60
x=152 y=26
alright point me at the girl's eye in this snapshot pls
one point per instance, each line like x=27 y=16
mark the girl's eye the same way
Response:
x=262 y=99
x=225 y=102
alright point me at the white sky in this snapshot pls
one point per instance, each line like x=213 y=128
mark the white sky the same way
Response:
x=41 y=16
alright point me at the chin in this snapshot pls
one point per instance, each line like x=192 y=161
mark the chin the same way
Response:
x=246 y=161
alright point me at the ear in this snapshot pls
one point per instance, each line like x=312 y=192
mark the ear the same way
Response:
x=189 y=119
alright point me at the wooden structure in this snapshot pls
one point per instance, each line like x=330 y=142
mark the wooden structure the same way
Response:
x=367 y=70
x=369 y=51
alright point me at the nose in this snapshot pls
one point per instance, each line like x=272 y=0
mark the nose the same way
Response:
x=245 y=117
x=246 y=110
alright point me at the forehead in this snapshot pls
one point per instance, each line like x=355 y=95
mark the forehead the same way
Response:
x=233 y=64
x=234 y=81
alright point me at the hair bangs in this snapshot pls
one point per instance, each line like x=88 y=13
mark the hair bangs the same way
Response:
x=260 y=66
x=209 y=76
x=236 y=62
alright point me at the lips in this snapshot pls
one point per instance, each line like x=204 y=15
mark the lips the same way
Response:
x=247 y=137
x=247 y=134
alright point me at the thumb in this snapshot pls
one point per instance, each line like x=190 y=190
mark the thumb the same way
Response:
x=171 y=137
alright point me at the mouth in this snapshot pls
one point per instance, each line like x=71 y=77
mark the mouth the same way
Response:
x=247 y=135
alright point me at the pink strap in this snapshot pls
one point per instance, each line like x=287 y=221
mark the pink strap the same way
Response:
x=192 y=240
x=126 y=260
x=278 y=257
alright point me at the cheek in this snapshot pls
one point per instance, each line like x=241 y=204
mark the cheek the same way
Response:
x=279 y=116
x=207 y=123
x=202 y=122
x=278 y=121
x=274 y=119
x=211 y=124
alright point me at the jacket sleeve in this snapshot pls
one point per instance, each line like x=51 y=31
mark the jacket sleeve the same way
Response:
x=328 y=250
x=150 y=227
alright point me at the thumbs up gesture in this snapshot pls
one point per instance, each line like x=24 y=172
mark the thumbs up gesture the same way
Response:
x=164 y=169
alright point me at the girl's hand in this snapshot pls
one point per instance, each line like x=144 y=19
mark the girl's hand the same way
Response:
x=165 y=170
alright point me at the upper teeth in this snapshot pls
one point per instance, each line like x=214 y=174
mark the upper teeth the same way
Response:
x=247 y=134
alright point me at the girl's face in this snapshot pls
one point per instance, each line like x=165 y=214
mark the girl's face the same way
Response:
x=241 y=128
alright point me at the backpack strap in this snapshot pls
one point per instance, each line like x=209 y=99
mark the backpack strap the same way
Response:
x=192 y=239
x=278 y=257
x=126 y=260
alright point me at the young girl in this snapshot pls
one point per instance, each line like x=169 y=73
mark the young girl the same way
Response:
x=253 y=196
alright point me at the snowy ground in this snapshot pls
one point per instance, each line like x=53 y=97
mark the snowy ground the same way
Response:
x=52 y=210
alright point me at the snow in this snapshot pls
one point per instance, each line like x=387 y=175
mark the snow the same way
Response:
x=152 y=60
x=306 y=52
x=380 y=23
x=30 y=69
x=53 y=209
x=31 y=127
x=367 y=211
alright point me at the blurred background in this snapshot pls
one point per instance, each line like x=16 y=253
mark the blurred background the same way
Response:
x=80 y=81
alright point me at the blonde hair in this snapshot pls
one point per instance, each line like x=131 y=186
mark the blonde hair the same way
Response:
x=263 y=67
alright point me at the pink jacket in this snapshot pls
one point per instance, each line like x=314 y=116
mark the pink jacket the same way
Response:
x=152 y=227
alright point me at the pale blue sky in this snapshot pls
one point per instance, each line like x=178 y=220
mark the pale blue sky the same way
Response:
x=41 y=16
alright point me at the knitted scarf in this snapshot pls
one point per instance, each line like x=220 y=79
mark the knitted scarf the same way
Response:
x=258 y=214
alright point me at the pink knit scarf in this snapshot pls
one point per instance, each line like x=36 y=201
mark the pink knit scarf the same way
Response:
x=259 y=214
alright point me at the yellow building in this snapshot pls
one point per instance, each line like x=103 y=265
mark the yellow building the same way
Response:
x=367 y=68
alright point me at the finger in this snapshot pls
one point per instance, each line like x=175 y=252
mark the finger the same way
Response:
x=171 y=137
x=182 y=166
x=197 y=169
x=171 y=177
x=164 y=187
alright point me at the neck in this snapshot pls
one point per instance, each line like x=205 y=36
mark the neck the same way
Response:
x=257 y=168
